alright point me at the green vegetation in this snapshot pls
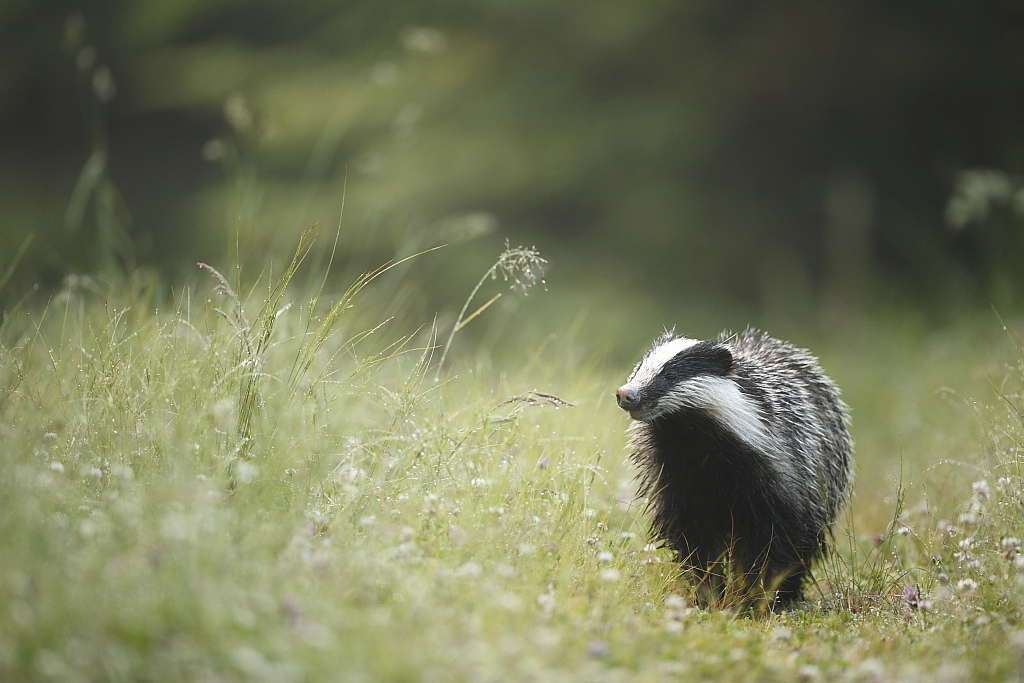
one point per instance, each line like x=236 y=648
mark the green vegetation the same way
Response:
x=246 y=474
x=248 y=481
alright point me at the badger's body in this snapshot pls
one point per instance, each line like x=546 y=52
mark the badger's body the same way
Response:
x=744 y=454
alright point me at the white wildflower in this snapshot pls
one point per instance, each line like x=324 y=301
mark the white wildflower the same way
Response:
x=468 y=570
x=247 y=471
x=674 y=601
x=546 y=602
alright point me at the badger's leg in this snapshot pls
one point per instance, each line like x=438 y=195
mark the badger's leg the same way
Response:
x=704 y=574
x=790 y=589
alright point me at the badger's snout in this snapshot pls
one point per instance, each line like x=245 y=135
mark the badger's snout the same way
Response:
x=627 y=399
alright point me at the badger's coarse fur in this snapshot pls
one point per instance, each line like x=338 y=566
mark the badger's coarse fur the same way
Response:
x=743 y=452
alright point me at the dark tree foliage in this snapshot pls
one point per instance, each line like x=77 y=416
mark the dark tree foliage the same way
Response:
x=752 y=146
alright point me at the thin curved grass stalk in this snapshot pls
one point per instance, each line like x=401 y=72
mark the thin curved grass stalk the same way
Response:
x=523 y=266
x=318 y=336
x=9 y=271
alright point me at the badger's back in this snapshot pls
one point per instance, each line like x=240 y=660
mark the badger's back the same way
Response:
x=743 y=448
x=802 y=407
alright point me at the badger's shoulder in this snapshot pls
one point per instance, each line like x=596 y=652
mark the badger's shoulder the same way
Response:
x=792 y=390
x=755 y=346
x=779 y=364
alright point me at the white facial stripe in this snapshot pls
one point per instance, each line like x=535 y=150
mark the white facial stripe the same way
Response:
x=733 y=409
x=652 y=364
x=723 y=401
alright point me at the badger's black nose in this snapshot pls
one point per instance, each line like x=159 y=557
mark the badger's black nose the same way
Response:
x=627 y=398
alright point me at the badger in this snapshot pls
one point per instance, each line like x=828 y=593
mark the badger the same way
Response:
x=744 y=458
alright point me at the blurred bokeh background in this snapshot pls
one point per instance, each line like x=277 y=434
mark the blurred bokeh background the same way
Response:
x=780 y=159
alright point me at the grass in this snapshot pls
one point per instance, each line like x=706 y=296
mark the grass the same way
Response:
x=250 y=483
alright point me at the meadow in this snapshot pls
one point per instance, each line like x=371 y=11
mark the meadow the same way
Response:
x=254 y=475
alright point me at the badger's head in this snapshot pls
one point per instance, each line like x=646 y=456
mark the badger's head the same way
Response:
x=679 y=374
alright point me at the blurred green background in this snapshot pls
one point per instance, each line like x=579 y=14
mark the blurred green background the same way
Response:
x=773 y=160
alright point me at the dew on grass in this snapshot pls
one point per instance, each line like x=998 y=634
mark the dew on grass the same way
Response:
x=945 y=529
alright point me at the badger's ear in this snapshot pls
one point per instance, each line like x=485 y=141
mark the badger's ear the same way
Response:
x=721 y=358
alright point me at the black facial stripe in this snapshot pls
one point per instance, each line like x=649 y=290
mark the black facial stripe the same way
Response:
x=703 y=358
